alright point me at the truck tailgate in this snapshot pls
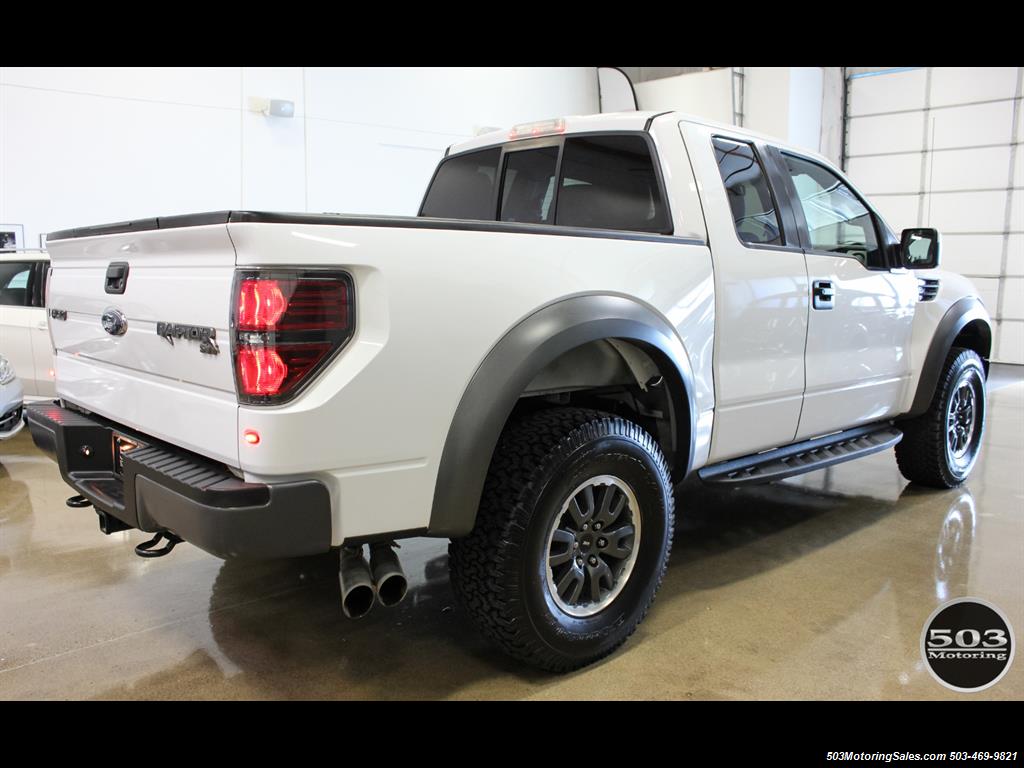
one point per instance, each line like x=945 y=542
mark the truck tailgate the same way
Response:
x=164 y=387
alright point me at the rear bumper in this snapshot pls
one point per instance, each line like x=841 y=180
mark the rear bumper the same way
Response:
x=160 y=487
x=11 y=422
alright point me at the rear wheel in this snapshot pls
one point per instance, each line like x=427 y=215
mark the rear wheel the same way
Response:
x=940 y=447
x=572 y=538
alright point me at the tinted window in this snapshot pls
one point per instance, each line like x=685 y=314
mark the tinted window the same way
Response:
x=609 y=182
x=837 y=221
x=528 y=186
x=463 y=187
x=16 y=281
x=753 y=210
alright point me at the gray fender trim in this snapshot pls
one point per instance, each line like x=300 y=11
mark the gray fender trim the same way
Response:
x=510 y=366
x=963 y=311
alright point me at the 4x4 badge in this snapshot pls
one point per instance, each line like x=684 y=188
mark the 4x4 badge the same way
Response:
x=207 y=337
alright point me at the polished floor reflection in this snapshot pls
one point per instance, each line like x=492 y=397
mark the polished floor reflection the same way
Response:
x=812 y=588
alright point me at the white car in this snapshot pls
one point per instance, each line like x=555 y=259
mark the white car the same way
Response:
x=586 y=312
x=11 y=397
x=24 y=332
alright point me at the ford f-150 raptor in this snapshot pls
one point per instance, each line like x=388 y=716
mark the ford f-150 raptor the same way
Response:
x=585 y=312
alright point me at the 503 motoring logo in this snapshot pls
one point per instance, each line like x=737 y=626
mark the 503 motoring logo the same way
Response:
x=967 y=644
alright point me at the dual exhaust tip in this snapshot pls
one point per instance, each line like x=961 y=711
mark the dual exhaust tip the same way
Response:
x=362 y=583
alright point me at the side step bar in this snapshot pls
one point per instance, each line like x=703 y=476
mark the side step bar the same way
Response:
x=806 y=456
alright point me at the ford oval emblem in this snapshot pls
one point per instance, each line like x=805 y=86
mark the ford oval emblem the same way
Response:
x=114 y=322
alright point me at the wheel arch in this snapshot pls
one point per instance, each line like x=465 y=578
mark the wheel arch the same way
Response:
x=510 y=366
x=965 y=324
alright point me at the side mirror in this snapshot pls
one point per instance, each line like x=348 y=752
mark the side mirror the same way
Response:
x=919 y=248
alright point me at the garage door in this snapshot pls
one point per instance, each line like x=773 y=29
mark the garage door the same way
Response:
x=940 y=147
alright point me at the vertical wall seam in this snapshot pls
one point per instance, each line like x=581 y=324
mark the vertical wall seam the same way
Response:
x=305 y=144
x=925 y=146
x=1004 y=263
x=931 y=173
x=844 y=144
x=241 y=137
x=3 y=145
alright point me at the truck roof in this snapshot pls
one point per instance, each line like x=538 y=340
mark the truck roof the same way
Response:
x=624 y=121
x=22 y=254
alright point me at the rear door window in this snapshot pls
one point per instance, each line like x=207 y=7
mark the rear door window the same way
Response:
x=610 y=182
x=746 y=187
x=463 y=187
x=528 y=185
x=16 y=283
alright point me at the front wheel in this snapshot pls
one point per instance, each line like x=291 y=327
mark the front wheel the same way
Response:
x=940 y=447
x=571 y=540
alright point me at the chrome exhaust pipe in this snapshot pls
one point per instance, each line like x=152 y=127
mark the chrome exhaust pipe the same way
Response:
x=357 y=590
x=388 y=577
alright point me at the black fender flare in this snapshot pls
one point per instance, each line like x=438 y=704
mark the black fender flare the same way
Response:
x=962 y=312
x=512 y=364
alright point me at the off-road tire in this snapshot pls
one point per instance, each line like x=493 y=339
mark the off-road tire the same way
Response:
x=923 y=455
x=498 y=572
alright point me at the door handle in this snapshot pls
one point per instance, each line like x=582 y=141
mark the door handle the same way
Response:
x=823 y=294
x=41 y=325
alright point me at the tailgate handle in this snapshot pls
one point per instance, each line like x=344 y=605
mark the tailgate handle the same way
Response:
x=117 y=277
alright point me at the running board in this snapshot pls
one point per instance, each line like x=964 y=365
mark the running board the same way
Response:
x=803 y=457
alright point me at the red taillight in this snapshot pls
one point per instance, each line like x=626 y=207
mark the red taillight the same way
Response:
x=287 y=325
x=261 y=303
x=261 y=370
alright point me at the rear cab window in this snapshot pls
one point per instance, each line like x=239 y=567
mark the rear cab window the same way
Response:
x=463 y=187
x=528 y=185
x=590 y=181
x=611 y=182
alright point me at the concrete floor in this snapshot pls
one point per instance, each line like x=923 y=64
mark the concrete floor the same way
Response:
x=813 y=588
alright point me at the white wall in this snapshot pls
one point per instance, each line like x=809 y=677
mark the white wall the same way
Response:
x=832 y=109
x=707 y=94
x=766 y=100
x=941 y=147
x=806 y=92
x=91 y=145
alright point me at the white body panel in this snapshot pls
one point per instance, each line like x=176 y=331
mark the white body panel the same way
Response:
x=170 y=391
x=927 y=316
x=200 y=419
x=858 y=357
x=151 y=299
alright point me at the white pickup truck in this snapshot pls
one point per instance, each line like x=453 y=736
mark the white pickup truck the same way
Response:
x=585 y=312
